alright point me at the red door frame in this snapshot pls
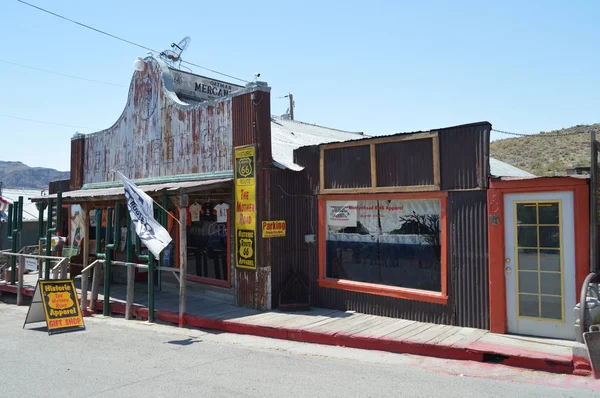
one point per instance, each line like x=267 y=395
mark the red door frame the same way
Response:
x=495 y=197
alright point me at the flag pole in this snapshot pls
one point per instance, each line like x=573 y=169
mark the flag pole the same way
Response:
x=158 y=204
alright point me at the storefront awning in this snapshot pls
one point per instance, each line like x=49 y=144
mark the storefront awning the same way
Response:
x=115 y=193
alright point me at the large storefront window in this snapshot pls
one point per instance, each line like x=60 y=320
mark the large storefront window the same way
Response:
x=394 y=243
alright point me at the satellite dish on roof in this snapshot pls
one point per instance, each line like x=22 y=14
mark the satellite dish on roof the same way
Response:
x=173 y=56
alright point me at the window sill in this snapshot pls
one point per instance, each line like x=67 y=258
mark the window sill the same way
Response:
x=209 y=281
x=388 y=291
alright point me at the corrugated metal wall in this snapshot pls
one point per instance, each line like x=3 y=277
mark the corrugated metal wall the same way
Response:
x=348 y=167
x=405 y=163
x=464 y=156
x=468 y=257
x=467 y=260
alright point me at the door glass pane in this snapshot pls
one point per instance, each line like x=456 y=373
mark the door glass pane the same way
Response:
x=527 y=236
x=551 y=283
x=528 y=282
x=551 y=307
x=529 y=305
x=526 y=213
x=550 y=237
x=550 y=260
x=528 y=259
x=548 y=213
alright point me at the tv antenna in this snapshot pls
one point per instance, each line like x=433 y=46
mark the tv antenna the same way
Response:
x=173 y=56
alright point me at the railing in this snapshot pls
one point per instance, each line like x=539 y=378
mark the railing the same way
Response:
x=129 y=297
x=58 y=271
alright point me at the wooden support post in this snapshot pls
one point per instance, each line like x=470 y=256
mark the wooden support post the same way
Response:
x=95 y=285
x=20 y=282
x=130 y=290
x=84 y=290
x=182 y=205
x=64 y=269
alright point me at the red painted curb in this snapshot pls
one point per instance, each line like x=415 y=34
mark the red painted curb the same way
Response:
x=27 y=291
x=473 y=352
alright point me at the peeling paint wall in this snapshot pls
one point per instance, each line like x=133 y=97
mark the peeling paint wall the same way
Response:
x=159 y=135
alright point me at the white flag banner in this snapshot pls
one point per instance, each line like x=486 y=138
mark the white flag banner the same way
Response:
x=141 y=211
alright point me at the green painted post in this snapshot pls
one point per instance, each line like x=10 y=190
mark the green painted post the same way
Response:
x=109 y=246
x=52 y=229
x=128 y=237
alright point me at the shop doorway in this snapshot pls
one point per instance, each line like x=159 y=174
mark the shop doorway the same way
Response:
x=208 y=242
x=540 y=264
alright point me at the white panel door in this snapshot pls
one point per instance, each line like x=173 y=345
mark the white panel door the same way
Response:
x=540 y=264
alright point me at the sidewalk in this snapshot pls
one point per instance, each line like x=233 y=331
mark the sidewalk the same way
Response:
x=350 y=329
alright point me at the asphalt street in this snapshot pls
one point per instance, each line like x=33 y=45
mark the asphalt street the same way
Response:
x=119 y=358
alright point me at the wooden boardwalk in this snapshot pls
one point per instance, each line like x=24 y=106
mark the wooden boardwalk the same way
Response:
x=347 y=324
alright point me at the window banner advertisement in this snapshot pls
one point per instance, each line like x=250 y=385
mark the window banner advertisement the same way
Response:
x=245 y=207
x=78 y=227
x=341 y=213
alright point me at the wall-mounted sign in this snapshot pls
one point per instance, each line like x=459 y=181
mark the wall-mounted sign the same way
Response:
x=273 y=229
x=200 y=87
x=55 y=301
x=245 y=206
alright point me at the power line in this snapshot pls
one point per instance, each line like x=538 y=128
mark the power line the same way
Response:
x=61 y=74
x=124 y=40
x=543 y=135
x=43 y=122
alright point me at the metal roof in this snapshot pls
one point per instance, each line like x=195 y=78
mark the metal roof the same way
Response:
x=30 y=211
x=117 y=192
x=289 y=135
x=501 y=169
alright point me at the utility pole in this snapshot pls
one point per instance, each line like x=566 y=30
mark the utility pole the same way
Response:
x=291 y=97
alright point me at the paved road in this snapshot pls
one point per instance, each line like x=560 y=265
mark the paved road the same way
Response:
x=119 y=358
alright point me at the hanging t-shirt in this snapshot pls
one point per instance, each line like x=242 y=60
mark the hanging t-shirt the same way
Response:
x=195 y=211
x=222 y=212
x=123 y=241
x=93 y=218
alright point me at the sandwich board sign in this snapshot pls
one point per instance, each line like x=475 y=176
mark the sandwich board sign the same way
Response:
x=55 y=301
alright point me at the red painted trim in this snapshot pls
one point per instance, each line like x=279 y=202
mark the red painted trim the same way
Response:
x=582 y=236
x=496 y=244
x=530 y=184
x=497 y=282
x=474 y=351
x=383 y=290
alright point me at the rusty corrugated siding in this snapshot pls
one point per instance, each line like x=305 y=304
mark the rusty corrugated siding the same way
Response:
x=468 y=303
x=292 y=204
x=243 y=121
x=405 y=163
x=464 y=156
x=468 y=256
x=77 y=162
x=348 y=167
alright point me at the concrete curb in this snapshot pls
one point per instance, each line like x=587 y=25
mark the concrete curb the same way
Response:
x=474 y=351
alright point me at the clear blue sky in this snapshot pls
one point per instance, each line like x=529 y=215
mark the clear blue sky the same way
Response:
x=374 y=66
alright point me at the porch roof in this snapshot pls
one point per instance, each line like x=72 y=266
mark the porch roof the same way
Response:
x=113 y=193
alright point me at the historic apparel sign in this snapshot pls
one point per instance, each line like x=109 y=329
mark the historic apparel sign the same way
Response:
x=55 y=301
x=245 y=206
